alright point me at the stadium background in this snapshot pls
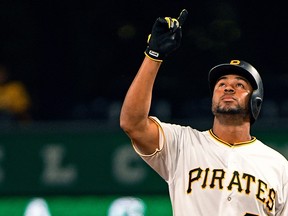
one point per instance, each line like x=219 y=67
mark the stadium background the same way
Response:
x=77 y=60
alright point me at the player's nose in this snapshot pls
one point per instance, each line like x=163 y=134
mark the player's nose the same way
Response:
x=229 y=89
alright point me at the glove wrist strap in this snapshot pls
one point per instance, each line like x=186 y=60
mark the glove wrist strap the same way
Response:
x=153 y=55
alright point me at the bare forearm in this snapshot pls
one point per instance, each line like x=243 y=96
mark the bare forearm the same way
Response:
x=165 y=37
x=136 y=106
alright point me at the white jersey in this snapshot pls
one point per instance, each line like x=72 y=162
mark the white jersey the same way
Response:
x=207 y=176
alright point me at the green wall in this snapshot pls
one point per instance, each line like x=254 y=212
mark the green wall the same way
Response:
x=74 y=158
x=55 y=159
x=82 y=205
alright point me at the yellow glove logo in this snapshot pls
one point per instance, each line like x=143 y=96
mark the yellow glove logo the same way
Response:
x=172 y=22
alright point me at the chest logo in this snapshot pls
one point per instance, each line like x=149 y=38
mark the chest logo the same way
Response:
x=218 y=179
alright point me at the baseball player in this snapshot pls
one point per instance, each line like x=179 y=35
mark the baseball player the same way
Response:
x=222 y=171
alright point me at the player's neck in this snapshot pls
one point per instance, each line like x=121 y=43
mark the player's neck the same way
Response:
x=232 y=133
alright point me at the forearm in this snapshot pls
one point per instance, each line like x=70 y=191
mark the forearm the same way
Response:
x=136 y=106
x=165 y=37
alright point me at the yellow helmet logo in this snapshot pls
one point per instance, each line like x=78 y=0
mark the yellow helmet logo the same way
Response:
x=235 y=62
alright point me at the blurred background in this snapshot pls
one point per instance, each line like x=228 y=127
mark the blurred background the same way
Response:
x=65 y=67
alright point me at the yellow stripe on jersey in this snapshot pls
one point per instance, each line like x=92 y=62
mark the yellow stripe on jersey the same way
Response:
x=231 y=144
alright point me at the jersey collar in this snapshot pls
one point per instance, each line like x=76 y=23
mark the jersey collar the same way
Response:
x=231 y=144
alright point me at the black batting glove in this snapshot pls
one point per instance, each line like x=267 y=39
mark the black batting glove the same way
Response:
x=165 y=36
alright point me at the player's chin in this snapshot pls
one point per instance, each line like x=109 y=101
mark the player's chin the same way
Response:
x=227 y=109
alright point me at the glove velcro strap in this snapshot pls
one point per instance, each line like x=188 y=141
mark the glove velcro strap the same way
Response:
x=153 y=55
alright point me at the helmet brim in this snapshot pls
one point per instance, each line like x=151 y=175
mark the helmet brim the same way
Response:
x=225 y=69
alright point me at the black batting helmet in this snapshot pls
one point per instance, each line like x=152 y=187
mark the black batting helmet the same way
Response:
x=246 y=70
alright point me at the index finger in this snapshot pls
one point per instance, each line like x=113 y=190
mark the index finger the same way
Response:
x=182 y=17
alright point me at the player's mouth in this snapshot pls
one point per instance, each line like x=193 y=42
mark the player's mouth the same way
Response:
x=228 y=98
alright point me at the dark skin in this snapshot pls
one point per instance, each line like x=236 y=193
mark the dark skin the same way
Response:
x=231 y=92
x=135 y=110
x=230 y=108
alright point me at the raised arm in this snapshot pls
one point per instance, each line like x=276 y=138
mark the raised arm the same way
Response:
x=165 y=38
x=135 y=110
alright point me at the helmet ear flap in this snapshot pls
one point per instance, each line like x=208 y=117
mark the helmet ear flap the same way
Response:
x=255 y=106
x=258 y=102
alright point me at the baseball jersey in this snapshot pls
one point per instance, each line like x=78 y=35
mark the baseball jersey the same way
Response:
x=207 y=176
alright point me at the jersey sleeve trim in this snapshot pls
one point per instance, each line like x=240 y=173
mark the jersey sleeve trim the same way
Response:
x=162 y=140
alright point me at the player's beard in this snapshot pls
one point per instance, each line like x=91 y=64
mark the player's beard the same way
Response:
x=229 y=110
